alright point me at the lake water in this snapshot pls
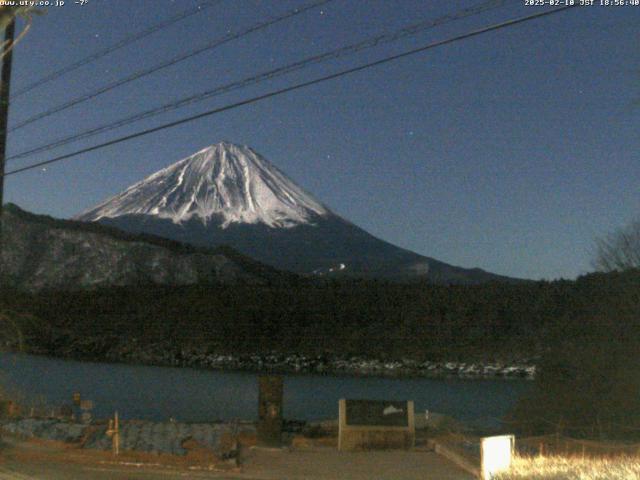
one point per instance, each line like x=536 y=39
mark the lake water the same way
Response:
x=159 y=393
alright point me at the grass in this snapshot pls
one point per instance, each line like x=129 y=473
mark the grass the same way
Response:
x=573 y=468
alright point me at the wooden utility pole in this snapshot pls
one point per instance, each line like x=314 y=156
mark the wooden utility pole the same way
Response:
x=5 y=83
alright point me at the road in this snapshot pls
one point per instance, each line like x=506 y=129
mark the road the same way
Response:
x=28 y=460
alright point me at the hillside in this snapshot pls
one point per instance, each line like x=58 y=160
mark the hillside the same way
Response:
x=42 y=253
x=326 y=320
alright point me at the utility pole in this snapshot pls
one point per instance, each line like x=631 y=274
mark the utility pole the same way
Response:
x=5 y=82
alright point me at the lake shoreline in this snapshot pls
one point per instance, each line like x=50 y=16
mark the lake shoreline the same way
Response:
x=286 y=364
x=158 y=393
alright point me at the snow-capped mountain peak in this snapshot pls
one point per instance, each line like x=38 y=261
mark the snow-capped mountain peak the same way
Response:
x=223 y=181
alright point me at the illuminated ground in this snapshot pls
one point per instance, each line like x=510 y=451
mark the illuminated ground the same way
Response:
x=30 y=460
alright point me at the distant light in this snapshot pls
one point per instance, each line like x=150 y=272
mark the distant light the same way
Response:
x=496 y=453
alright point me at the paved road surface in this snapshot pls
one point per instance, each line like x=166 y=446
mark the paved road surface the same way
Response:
x=330 y=464
x=25 y=461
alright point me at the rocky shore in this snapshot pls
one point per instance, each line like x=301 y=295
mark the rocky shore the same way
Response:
x=135 y=435
x=166 y=355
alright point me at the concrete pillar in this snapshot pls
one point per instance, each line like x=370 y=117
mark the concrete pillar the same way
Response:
x=270 y=410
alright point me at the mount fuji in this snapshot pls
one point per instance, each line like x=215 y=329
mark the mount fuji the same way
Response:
x=228 y=194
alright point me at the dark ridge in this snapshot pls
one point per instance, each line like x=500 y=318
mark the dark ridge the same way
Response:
x=309 y=249
x=248 y=264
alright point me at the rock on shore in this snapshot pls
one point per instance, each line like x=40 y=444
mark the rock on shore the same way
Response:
x=297 y=363
x=132 y=351
x=141 y=436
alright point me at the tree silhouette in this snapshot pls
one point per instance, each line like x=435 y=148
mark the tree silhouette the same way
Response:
x=619 y=250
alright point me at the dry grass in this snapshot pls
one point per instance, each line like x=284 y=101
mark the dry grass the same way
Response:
x=573 y=468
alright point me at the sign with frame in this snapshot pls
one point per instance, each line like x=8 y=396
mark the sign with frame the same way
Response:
x=375 y=424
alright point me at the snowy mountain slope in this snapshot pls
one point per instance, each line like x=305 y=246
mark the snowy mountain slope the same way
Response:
x=225 y=181
x=229 y=195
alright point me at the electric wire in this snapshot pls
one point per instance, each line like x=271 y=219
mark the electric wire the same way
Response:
x=112 y=48
x=168 y=63
x=372 y=42
x=474 y=33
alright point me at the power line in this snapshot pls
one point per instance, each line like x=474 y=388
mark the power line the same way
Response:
x=116 y=46
x=298 y=86
x=375 y=41
x=168 y=63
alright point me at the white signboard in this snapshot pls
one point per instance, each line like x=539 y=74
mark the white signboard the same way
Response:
x=496 y=453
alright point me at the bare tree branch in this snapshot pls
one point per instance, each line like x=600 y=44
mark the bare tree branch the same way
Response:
x=619 y=250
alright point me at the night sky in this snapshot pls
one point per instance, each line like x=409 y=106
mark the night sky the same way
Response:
x=511 y=151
